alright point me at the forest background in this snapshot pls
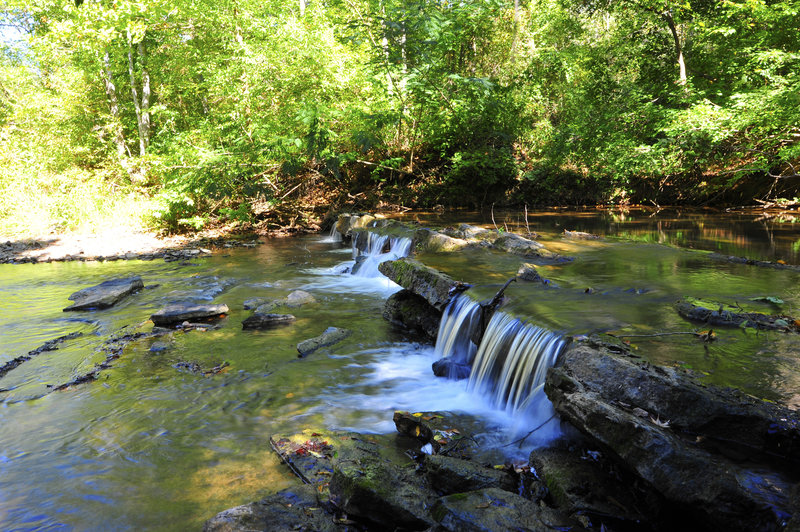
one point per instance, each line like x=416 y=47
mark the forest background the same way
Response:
x=185 y=113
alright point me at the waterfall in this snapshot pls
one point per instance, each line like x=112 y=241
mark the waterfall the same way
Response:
x=512 y=359
x=461 y=318
x=333 y=235
x=370 y=249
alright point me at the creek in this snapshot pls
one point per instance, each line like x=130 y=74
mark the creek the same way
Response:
x=149 y=445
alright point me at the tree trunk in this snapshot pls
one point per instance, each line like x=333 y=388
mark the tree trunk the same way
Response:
x=113 y=105
x=516 y=28
x=135 y=93
x=303 y=7
x=678 y=46
x=145 y=95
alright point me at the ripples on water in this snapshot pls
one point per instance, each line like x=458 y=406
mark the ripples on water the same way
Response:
x=147 y=446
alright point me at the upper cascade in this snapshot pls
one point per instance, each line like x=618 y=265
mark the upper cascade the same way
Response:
x=512 y=359
x=370 y=249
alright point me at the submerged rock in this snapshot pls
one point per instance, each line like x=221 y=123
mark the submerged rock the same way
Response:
x=447 y=367
x=296 y=508
x=177 y=313
x=680 y=437
x=104 y=295
x=407 y=309
x=580 y=235
x=254 y=302
x=266 y=320
x=331 y=335
x=518 y=245
x=434 y=286
x=723 y=317
x=298 y=298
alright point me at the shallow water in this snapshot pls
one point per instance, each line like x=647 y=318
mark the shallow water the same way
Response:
x=148 y=446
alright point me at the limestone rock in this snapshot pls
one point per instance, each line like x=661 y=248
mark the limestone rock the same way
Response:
x=642 y=415
x=298 y=298
x=331 y=335
x=176 y=313
x=450 y=475
x=266 y=320
x=434 y=286
x=407 y=309
x=578 y=485
x=291 y=509
x=254 y=302
x=518 y=245
x=493 y=509
x=430 y=240
x=104 y=295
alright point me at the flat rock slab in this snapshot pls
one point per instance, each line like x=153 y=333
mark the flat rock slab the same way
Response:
x=449 y=475
x=291 y=509
x=177 y=313
x=434 y=286
x=267 y=321
x=492 y=509
x=518 y=245
x=104 y=295
x=359 y=475
x=729 y=318
x=331 y=336
x=642 y=414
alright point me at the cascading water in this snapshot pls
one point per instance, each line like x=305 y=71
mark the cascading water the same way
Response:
x=511 y=361
x=370 y=249
x=454 y=340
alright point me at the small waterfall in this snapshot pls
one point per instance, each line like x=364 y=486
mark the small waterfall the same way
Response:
x=370 y=249
x=513 y=357
x=454 y=340
x=333 y=235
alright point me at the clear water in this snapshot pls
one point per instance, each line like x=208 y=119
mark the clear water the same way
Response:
x=148 y=446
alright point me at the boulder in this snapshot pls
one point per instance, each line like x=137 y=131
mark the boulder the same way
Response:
x=413 y=312
x=581 y=484
x=386 y=495
x=298 y=298
x=266 y=320
x=449 y=475
x=348 y=222
x=331 y=335
x=518 y=245
x=451 y=369
x=432 y=285
x=177 y=313
x=360 y=477
x=491 y=509
x=679 y=437
x=254 y=302
x=434 y=241
x=438 y=429
x=104 y=295
x=296 y=508
x=527 y=272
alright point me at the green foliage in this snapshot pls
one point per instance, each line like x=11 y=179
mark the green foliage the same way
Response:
x=480 y=176
x=434 y=102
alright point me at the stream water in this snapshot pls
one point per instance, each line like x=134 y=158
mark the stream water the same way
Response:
x=151 y=446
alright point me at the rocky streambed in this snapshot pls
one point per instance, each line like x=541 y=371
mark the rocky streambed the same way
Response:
x=647 y=447
x=282 y=346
